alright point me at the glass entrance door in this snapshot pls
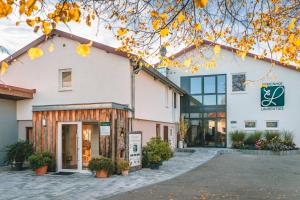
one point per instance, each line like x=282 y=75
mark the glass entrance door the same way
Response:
x=69 y=146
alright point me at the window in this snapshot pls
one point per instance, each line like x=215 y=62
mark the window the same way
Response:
x=209 y=84
x=65 y=77
x=272 y=124
x=250 y=124
x=221 y=83
x=210 y=100
x=196 y=85
x=238 y=82
x=175 y=99
x=196 y=100
x=221 y=99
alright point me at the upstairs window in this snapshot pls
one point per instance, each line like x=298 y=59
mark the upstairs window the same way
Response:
x=272 y=124
x=65 y=77
x=175 y=100
x=238 y=82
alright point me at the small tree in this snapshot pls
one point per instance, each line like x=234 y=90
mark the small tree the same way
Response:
x=183 y=129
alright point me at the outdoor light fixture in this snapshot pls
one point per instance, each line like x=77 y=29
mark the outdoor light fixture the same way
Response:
x=44 y=122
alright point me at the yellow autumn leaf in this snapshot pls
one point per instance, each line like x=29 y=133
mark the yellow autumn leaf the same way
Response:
x=174 y=25
x=297 y=42
x=155 y=24
x=121 y=31
x=83 y=49
x=292 y=24
x=51 y=48
x=30 y=22
x=217 y=49
x=154 y=14
x=197 y=27
x=187 y=62
x=4 y=67
x=201 y=3
x=164 y=32
x=180 y=18
x=164 y=16
x=35 y=53
x=211 y=37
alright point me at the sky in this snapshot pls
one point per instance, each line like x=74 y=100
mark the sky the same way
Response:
x=14 y=37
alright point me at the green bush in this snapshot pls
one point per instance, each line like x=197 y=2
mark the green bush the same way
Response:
x=158 y=148
x=17 y=153
x=237 y=138
x=38 y=160
x=269 y=135
x=252 y=139
x=288 y=139
x=101 y=163
x=154 y=159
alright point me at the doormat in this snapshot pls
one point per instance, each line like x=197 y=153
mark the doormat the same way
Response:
x=63 y=173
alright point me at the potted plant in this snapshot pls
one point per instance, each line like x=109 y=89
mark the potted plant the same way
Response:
x=17 y=153
x=102 y=167
x=39 y=162
x=154 y=161
x=123 y=166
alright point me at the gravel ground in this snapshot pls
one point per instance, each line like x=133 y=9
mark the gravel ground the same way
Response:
x=229 y=176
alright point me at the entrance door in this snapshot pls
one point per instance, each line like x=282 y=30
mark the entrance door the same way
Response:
x=69 y=146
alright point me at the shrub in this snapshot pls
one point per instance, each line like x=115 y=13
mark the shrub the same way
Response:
x=288 y=139
x=253 y=138
x=159 y=147
x=154 y=159
x=237 y=138
x=269 y=135
x=145 y=158
x=123 y=165
x=38 y=160
x=17 y=153
x=101 y=163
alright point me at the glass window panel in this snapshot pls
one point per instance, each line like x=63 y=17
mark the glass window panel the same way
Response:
x=196 y=100
x=185 y=115
x=238 y=82
x=221 y=84
x=210 y=100
x=221 y=114
x=185 y=83
x=250 y=124
x=195 y=122
x=221 y=100
x=211 y=115
x=196 y=85
x=66 y=79
x=195 y=115
x=210 y=84
x=272 y=124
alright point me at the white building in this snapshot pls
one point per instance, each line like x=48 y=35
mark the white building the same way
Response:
x=220 y=102
x=74 y=91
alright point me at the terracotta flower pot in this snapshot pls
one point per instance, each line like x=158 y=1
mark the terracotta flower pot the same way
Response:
x=41 y=170
x=101 y=174
x=125 y=172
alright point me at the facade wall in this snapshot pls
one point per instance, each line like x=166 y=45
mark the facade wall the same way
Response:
x=149 y=130
x=8 y=126
x=154 y=100
x=99 y=77
x=22 y=125
x=244 y=106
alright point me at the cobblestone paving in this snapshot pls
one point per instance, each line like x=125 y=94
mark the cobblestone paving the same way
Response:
x=25 y=185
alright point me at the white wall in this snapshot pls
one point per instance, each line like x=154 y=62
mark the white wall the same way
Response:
x=100 y=77
x=246 y=106
x=150 y=100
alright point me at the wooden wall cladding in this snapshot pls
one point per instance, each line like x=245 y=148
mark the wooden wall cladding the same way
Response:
x=45 y=137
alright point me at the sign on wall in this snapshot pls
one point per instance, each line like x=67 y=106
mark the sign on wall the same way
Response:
x=135 y=149
x=105 y=128
x=272 y=96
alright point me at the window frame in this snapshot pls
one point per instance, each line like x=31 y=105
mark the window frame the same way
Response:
x=60 y=82
x=238 y=92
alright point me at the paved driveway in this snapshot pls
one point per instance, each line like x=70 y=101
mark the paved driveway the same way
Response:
x=25 y=185
x=231 y=176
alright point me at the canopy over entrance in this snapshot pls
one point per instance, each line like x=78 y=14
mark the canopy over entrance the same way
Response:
x=15 y=93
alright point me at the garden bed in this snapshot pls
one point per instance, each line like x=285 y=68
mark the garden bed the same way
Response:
x=269 y=152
